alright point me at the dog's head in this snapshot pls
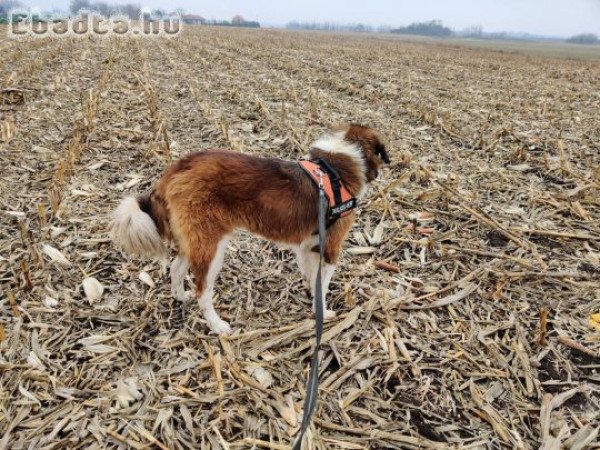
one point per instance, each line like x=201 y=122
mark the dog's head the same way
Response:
x=371 y=145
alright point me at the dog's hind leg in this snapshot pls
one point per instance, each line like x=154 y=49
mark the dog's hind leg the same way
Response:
x=179 y=270
x=206 y=261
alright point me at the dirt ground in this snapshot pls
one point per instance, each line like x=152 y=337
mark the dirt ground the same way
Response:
x=466 y=297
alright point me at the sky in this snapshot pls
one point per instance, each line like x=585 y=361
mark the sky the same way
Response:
x=546 y=17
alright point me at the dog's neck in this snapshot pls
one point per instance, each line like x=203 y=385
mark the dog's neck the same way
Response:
x=346 y=158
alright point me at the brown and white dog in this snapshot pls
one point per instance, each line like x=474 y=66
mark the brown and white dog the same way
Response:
x=203 y=198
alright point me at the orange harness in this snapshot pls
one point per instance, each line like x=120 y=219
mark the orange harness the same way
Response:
x=340 y=200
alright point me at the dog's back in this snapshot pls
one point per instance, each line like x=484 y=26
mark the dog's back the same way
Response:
x=216 y=192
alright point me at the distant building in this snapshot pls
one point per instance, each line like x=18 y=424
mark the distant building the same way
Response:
x=193 y=19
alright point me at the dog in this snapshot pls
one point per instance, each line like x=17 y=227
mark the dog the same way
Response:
x=203 y=198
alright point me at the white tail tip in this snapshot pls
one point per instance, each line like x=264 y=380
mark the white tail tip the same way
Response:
x=135 y=232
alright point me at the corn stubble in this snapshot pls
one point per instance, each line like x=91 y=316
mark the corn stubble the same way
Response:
x=466 y=296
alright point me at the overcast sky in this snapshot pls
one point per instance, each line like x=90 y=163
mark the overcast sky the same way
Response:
x=548 y=17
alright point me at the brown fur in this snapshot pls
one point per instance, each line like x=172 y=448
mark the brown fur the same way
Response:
x=372 y=146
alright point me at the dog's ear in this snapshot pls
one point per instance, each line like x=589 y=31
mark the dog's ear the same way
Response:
x=382 y=152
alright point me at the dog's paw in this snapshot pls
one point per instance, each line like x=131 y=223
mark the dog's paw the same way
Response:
x=328 y=314
x=188 y=296
x=183 y=296
x=219 y=326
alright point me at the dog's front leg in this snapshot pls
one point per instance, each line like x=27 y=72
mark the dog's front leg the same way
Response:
x=308 y=260
x=304 y=259
x=336 y=235
x=326 y=275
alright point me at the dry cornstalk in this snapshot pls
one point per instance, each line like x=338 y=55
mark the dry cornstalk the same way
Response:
x=485 y=218
x=543 y=326
x=567 y=341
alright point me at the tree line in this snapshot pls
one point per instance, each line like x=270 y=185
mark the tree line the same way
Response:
x=435 y=28
x=237 y=21
x=131 y=10
x=585 y=38
x=331 y=26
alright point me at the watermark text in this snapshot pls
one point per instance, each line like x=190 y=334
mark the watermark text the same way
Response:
x=22 y=23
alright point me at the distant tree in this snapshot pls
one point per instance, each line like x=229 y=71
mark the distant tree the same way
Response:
x=474 y=31
x=499 y=36
x=159 y=13
x=7 y=5
x=330 y=26
x=104 y=8
x=383 y=29
x=179 y=11
x=585 y=38
x=78 y=5
x=237 y=21
x=433 y=28
x=243 y=23
x=130 y=10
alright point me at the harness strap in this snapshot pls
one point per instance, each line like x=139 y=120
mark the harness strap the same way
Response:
x=335 y=179
x=341 y=202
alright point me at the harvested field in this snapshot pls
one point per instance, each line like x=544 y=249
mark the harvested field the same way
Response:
x=469 y=292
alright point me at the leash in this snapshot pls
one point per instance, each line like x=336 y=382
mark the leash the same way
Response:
x=313 y=379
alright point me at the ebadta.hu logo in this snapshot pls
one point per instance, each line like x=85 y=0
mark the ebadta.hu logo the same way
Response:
x=25 y=23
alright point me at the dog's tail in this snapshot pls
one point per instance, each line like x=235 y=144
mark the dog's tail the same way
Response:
x=138 y=229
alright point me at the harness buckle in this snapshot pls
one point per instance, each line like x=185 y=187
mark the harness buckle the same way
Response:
x=320 y=173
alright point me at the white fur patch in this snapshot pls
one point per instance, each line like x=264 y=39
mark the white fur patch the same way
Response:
x=336 y=143
x=179 y=270
x=308 y=262
x=215 y=323
x=135 y=231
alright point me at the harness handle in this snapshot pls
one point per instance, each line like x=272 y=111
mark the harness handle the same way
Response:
x=313 y=378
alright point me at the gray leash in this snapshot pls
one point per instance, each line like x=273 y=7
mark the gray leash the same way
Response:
x=313 y=379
